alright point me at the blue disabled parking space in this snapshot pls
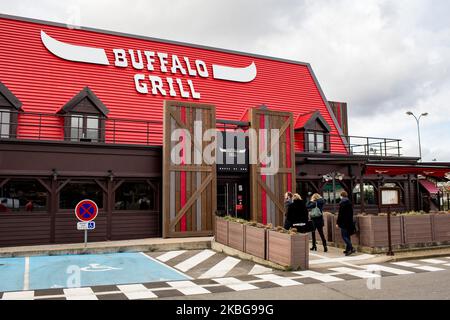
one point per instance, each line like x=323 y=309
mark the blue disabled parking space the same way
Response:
x=11 y=274
x=66 y=271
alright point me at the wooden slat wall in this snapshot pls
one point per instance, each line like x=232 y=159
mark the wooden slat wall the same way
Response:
x=186 y=179
x=272 y=210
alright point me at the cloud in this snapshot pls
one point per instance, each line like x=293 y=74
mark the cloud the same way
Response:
x=382 y=57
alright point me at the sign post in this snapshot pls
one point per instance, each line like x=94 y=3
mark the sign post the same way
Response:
x=389 y=197
x=86 y=211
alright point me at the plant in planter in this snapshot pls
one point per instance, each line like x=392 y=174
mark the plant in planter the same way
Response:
x=236 y=232
x=221 y=235
x=288 y=248
x=255 y=239
x=373 y=231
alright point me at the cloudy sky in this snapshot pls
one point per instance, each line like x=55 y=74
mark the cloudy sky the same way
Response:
x=382 y=57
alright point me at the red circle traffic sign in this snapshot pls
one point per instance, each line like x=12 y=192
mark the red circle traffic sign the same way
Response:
x=86 y=210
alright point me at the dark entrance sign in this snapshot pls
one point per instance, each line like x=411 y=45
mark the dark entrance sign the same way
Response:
x=232 y=152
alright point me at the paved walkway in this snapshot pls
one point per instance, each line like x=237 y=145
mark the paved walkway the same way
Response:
x=171 y=289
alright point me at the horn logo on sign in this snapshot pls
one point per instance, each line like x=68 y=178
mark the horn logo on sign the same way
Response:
x=147 y=59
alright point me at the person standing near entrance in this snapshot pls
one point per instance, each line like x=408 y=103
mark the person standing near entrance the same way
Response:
x=287 y=203
x=345 y=222
x=316 y=206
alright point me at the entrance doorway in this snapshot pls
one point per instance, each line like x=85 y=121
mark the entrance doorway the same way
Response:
x=233 y=196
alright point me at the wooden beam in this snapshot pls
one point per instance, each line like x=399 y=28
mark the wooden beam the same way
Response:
x=191 y=201
x=269 y=192
x=63 y=185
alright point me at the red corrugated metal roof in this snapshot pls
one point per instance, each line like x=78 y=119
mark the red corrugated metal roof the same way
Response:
x=302 y=119
x=45 y=82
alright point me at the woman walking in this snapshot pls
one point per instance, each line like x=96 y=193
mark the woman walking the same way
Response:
x=316 y=206
x=296 y=212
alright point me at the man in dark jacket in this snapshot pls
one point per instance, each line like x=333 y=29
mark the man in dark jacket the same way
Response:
x=345 y=222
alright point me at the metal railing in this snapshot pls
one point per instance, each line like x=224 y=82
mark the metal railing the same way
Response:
x=48 y=126
x=355 y=145
x=57 y=127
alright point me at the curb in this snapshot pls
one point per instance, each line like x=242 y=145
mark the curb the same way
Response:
x=93 y=249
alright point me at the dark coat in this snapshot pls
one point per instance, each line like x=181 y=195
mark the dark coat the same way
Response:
x=345 y=216
x=296 y=213
x=318 y=222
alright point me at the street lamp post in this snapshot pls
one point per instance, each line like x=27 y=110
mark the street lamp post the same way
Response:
x=409 y=113
x=333 y=176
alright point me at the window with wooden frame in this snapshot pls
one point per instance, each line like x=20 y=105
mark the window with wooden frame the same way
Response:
x=84 y=117
x=316 y=133
x=10 y=106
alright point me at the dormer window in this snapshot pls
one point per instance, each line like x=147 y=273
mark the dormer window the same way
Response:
x=9 y=109
x=84 y=118
x=314 y=131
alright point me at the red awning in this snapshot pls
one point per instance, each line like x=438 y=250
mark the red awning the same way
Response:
x=429 y=186
x=394 y=170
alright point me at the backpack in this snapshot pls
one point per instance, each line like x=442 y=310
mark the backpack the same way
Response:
x=316 y=212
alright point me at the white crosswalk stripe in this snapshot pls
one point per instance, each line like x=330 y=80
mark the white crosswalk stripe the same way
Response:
x=356 y=272
x=235 y=284
x=417 y=266
x=318 y=276
x=195 y=260
x=405 y=264
x=434 y=261
x=257 y=269
x=188 y=287
x=80 y=294
x=170 y=255
x=136 y=291
x=377 y=267
x=281 y=281
x=18 y=295
x=429 y=268
x=221 y=268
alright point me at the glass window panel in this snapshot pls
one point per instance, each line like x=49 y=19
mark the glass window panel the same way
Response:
x=311 y=142
x=5 y=118
x=76 y=127
x=74 y=192
x=319 y=142
x=23 y=196
x=92 y=128
x=328 y=194
x=135 y=196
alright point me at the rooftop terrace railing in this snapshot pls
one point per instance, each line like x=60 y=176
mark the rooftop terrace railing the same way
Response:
x=47 y=126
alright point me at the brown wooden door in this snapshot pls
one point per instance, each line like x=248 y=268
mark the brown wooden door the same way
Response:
x=267 y=190
x=189 y=182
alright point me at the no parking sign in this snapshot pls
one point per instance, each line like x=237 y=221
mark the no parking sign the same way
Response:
x=86 y=211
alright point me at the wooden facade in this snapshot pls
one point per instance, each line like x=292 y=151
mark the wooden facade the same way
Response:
x=267 y=190
x=189 y=185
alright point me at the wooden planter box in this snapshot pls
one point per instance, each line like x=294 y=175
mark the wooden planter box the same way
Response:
x=221 y=235
x=417 y=229
x=373 y=231
x=288 y=250
x=236 y=235
x=441 y=227
x=255 y=241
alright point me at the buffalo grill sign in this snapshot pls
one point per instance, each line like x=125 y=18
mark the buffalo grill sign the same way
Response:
x=146 y=62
